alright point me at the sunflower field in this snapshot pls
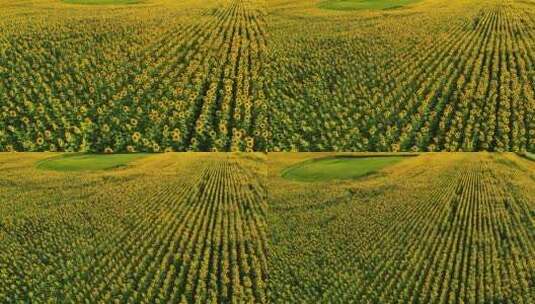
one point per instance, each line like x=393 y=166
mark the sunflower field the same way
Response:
x=435 y=75
x=167 y=228
x=435 y=228
x=156 y=75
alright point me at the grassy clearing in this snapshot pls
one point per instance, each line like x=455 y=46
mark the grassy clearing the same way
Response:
x=364 y=4
x=338 y=168
x=102 y=2
x=528 y=155
x=88 y=162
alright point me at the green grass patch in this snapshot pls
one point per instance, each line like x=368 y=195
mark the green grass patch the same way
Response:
x=88 y=162
x=102 y=2
x=347 y=5
x=528 y=155
x=338 y=167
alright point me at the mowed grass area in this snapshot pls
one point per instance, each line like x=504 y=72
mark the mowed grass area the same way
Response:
x=102 y=2
x=338 y=168
x=364 y=4
x=528 y=155
x=88 y=162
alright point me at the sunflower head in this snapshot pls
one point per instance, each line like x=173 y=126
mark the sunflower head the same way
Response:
x=249 y=142
x=136 y=136
x=176 y=135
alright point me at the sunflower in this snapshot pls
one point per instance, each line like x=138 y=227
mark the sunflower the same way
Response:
x=68 y=136
x=136 y=136
x=108 y=150
x=39 y=141
x=249 y=142
x=237 y=133
x=130 y=149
